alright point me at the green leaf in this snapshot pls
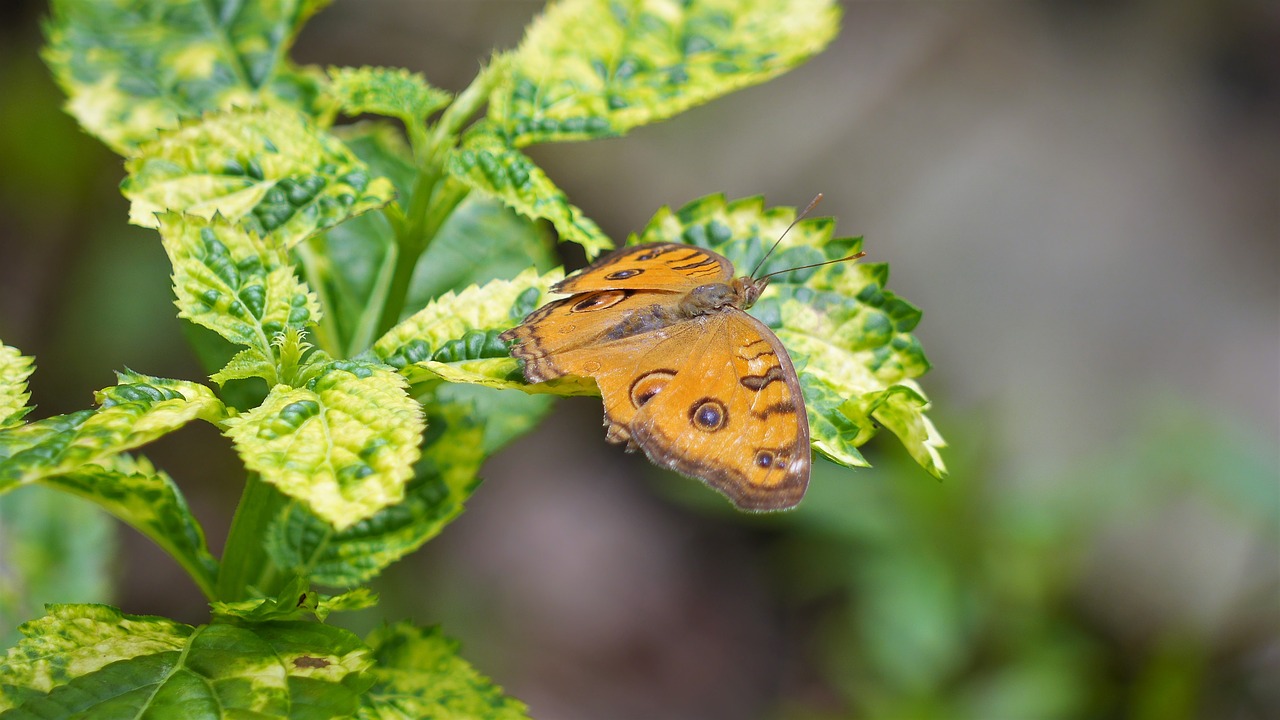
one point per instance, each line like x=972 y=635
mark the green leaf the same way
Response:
x=94 y=661
x=455 y=338
x=134 y=412
x=271 y=171
x=381 y=146
x=75 y=641
x=132 y=68
x=593 y=68
x=293 y=602
x=482 y=240
x=245 y=365
x=147 y=499
x=901 y=409
x=505 y=414
x=490 y=164
x=236 y=283
x=15 y=368
x=393 y=92
x=419 y=675
x=344 y=444
x=444 y=478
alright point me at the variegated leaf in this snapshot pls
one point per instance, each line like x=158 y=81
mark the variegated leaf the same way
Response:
x=236 y=283
x=299 y=542
x=595 y=68
x=131 y=68
x=419 y=674
x=95 y=661
x=15 y=368
x=490 y=164
x=134 y=412
x=271 y=171
x=133 y=490
x=344 y=444
x=392 y=92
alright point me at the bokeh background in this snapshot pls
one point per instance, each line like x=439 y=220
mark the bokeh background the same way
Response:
x=1084 y=198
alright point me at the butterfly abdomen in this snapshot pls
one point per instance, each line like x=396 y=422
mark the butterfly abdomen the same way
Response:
x=648 y=318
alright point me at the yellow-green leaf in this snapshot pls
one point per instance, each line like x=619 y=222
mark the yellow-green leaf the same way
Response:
x=455 y=337
x=490 y=164
x=133 y=490
x=236 y=283
x=271 y=171
x=15 y=368
x=299 y=542
x=134 y=412
x=594 y=68
x=419 y=674
x=131 y=68
x=393 y=92
x=87 y=661
x=344 y=444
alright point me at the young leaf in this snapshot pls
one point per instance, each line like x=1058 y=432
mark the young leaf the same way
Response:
x=134 y=412
x=146 y=498
x=295 y=601
x=132 y=68
x=271 y=171
x=94 y=661
x=234 y=282
x=455 y=338
x=594 y=68
x=444 y=478
x=418 y=674
x=490 y=164
x=344 y=444
x=393 y=92
x=15 y=368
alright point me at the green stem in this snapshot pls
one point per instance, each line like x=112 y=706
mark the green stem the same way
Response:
x=245 y=563
x=327 y=335
x=435 y=196
x=410 y=244
x=366 y=328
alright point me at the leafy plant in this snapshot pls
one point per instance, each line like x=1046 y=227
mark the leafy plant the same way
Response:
x=358 y=371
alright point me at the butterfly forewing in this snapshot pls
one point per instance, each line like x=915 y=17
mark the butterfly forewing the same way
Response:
x=666 y=267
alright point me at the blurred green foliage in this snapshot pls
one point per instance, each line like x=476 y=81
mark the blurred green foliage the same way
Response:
x=977 y=597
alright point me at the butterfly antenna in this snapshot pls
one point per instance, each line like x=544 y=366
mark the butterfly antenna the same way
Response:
x=816 y=199
x=854 y=256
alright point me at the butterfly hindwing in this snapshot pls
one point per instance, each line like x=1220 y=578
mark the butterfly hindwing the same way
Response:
x=732 y=414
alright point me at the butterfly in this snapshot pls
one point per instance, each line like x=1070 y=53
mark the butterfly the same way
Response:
x=686 y=375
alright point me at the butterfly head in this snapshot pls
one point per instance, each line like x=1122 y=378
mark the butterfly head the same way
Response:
x=748 y=289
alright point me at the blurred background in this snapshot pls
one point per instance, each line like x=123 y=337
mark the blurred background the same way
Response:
x=1084 y=198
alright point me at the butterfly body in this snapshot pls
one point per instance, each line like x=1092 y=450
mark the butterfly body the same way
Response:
x=686 y=375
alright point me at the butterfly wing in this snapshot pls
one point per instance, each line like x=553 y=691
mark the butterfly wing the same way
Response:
x=670 y=267
x=729 y=411
x=712 y=395
x=585 y=333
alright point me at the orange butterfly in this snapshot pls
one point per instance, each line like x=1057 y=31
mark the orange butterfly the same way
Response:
x=685 y=373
